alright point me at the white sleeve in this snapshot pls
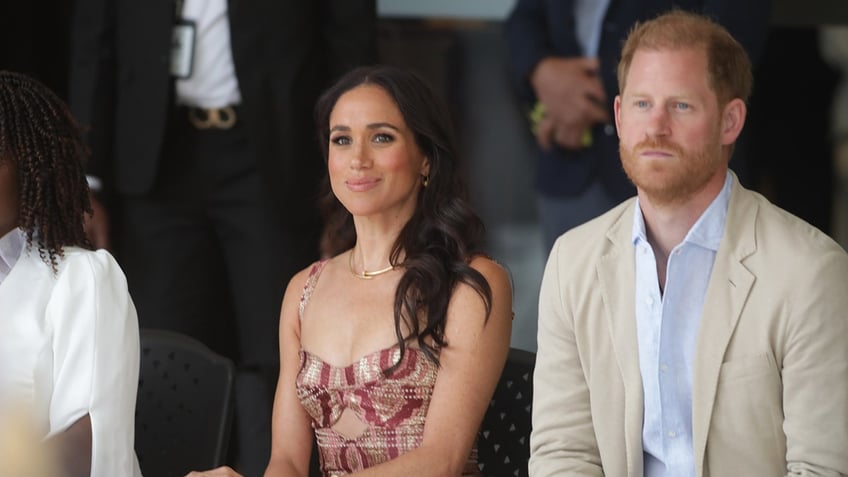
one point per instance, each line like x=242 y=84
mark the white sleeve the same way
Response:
x=95 y=358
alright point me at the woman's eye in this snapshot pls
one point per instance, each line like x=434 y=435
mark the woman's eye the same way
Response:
x=340 y=140
x=383 y=138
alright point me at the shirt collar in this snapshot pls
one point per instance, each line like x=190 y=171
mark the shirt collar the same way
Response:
x=11 y=246
x=707 y=230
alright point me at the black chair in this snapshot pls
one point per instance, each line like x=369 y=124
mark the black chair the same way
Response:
x=503 y=445
x=184 y=407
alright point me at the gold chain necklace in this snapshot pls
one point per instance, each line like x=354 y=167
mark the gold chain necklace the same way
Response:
x=366 y=275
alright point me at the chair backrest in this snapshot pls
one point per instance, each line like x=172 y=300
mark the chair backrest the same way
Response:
x=184 y=407
x=503 y=446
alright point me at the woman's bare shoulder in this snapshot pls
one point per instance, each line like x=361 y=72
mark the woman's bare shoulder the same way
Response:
x=492 y=270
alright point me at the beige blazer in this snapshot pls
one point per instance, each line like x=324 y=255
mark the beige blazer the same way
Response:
x=770 y=384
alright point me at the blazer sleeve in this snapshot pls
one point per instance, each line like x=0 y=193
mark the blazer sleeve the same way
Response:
x=350 y=34
x=95 y=358
x=815 y=368
x=563 y=439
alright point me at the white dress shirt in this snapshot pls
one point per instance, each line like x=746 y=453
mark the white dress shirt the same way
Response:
x=11 y=246
x=213 y=81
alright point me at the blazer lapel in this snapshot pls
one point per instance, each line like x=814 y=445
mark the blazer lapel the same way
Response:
x=617 y=275
x=730 y=283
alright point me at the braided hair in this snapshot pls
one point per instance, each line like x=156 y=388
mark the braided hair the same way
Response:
x=41 y=139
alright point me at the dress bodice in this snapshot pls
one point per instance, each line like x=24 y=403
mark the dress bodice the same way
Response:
x=392 y=406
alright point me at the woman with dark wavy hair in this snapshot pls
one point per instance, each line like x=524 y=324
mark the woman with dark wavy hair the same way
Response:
x=391 y=349
x=68 y=329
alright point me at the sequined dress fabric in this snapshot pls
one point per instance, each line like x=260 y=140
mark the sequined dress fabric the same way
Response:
x=393 y=407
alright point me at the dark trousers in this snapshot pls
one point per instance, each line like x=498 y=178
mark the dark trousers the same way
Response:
x=207 y=255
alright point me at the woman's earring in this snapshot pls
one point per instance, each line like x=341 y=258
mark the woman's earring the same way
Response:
x=425 y=180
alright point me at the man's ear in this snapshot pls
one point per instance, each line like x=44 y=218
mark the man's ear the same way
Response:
x=732 y=121
x=616 y=106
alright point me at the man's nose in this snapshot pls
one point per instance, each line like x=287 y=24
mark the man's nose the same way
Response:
x=658 y=123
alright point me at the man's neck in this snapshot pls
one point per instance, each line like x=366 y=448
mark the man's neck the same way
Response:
x=666 y=225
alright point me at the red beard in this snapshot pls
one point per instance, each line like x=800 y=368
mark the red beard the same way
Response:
x=673 y=179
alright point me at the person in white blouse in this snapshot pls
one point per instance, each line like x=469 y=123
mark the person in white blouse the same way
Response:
x=69 y=346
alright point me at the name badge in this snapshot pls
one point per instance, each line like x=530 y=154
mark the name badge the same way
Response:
x=182 y=49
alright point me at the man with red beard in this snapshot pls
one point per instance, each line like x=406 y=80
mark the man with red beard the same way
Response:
x=697 y=329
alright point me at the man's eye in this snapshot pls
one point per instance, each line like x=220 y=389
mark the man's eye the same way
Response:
x=341 y=140
x=682 y=106
x=641 y=104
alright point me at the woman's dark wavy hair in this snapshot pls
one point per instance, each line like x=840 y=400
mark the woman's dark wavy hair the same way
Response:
x=40 y=137
x=443 y=234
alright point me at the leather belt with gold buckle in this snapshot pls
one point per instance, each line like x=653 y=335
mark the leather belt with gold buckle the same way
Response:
x=212 y=118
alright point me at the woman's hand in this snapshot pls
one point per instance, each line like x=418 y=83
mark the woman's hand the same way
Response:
x=219 y=472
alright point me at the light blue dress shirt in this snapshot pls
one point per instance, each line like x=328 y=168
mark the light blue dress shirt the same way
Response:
x=589 y=16
x=667 y=327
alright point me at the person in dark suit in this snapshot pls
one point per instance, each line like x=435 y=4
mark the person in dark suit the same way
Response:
x=563 y=55
x=200 y=128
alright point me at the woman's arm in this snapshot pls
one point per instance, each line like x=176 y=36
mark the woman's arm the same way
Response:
x=95 y=363
x=291 y=429
x=471 y=365
x=74 y=448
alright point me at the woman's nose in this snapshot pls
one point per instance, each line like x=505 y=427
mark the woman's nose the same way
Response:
x=359 y=156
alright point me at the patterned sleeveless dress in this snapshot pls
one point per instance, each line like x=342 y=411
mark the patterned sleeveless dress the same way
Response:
x=393 y=407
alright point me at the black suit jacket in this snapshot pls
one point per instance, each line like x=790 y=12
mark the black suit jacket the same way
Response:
x=285 y=53
x=540 y=28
